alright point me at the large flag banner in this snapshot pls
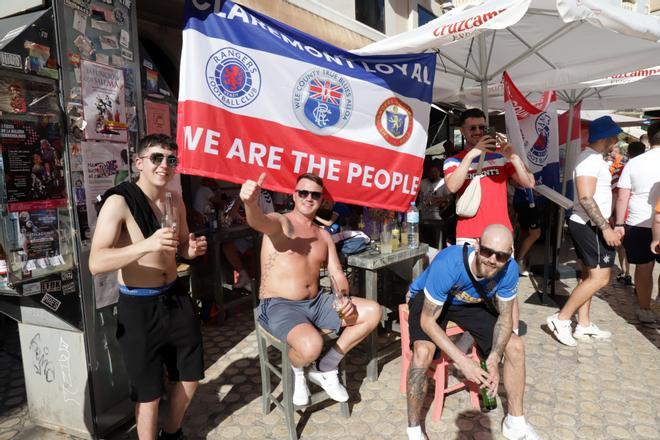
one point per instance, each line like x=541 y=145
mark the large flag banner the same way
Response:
x=533 y=130
x=259 y=96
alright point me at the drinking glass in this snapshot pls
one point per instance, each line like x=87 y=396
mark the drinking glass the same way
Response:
x=386 y=242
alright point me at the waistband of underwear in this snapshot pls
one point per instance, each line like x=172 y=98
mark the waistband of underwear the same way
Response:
x=145 y=291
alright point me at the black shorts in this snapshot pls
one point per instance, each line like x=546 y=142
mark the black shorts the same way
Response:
x=473 y=318
x=159 y=330
x=528 y=217
x=637 y=242
x=590 y=245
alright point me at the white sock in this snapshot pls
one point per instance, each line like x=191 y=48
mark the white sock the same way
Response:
x=415 y=433
x=516 y=421
x=331 y=360
x=298 y=371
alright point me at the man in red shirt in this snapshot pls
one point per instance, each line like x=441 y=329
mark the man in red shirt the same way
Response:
x=499 y=165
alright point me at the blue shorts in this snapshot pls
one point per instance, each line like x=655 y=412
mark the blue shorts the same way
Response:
x=279 y=316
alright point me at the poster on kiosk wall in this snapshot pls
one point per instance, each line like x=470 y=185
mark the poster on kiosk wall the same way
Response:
x=33 y=168
x=104 y=105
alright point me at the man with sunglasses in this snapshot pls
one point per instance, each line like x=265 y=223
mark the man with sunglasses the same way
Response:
x=499 y=165
x=446 y=291
x=156 y=322
x=292 y=305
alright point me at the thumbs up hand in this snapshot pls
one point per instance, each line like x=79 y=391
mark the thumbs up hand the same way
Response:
x=251 y=190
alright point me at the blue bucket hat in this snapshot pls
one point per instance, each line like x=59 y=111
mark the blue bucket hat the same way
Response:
x=602 y=128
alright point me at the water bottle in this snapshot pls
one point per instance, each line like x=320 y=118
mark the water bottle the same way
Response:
x=487 y=403
x=412 y=218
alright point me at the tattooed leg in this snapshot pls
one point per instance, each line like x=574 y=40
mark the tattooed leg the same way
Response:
x=417 y=380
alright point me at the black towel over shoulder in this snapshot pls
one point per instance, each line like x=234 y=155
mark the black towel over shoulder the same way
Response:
x=138 y=204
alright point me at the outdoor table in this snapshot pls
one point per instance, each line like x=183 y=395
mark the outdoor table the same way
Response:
x=217 y=239
x=372 y=266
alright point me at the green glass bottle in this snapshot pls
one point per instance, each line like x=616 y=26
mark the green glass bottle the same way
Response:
x=487 y=403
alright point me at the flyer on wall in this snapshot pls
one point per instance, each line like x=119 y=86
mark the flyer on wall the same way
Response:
x=39 y=238
x=32 y=157
x=105 y=164
x=104 y=103
x=24 y=95
x=158 y=117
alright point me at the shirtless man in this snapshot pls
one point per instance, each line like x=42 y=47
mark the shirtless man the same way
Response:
x=156 y=322
x=292 y=306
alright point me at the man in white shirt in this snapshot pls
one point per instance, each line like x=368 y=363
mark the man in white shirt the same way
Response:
x=594 y=239
x=639 y=186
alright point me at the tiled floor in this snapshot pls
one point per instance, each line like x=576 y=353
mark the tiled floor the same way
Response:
x=599 y=390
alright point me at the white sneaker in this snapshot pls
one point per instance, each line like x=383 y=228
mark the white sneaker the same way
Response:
x=517 y=433
x=244 y=281
x=300 y=391
x=645 y=316
x=522 y=269
x=591 y=331
x=329 y=381
x=561 y=329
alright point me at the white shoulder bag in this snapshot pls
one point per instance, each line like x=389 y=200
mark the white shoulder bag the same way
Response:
x=468 y=203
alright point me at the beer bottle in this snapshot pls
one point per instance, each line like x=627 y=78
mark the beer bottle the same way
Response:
x=487 y=403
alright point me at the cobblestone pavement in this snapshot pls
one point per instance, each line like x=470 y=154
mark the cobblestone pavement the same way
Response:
x=600 y=390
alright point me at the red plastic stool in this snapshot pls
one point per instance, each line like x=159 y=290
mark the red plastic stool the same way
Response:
x=438 y=369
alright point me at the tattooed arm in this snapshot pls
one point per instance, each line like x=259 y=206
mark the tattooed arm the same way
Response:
x=501 y=335
x=503 y=328
x=586 y=188
x=430 y=326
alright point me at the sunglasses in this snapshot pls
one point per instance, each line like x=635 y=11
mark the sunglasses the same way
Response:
x=157 y=159
x=501 y=257
x=303 y=193
x=481 y=128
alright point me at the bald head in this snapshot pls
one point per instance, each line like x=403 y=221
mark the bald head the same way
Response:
x=497 y=237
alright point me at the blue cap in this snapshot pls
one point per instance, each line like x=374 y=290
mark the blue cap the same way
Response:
x=602 y=128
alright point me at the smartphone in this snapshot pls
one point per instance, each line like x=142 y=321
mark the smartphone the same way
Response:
x=490 y=131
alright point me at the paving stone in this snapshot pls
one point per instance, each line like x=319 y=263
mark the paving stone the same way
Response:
x=8 y=435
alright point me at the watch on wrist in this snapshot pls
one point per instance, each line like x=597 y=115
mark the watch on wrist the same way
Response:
x=619 y=225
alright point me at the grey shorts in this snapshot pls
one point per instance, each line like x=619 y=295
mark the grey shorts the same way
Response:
x=279 y=316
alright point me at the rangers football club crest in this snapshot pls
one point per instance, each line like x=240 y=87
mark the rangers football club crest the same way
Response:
x=323 y=101
x=394 y=121
x=539 y=151
x=233 y=77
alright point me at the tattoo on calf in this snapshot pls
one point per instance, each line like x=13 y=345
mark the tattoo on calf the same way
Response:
x=416 y=393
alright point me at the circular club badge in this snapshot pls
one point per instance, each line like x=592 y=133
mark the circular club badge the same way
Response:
x=233 y=77
x=394 y=121
x=322 y=101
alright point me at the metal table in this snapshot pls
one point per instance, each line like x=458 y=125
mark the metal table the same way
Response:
x=372 y=266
